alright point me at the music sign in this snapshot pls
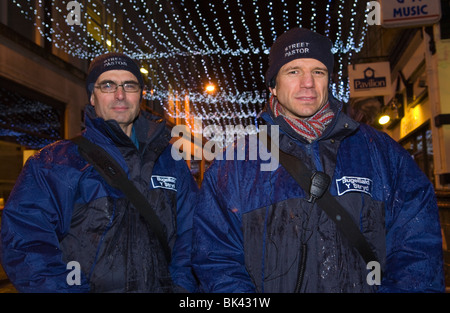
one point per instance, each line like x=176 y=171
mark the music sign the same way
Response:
x=398 y=13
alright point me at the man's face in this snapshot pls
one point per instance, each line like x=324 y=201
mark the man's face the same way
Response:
x=302 y=87
x=119 y=105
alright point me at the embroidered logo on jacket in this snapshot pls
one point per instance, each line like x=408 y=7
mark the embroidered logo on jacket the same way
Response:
x=351 y=183
x=166 y=182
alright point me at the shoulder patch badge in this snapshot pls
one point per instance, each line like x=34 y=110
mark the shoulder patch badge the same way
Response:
x=165 y=182
x=351 y=183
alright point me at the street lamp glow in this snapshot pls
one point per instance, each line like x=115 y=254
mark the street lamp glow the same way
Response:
x=384 y=119
x=210 y=88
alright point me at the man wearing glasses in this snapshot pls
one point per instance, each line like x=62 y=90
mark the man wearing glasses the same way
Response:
x=64 y=229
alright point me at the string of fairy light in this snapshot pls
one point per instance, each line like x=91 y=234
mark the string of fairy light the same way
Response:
x=186 y=44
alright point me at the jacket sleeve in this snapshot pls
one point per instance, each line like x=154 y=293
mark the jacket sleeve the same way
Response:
x=414 y=255
x=181 y=266
x=35 y=217
x=218 y=249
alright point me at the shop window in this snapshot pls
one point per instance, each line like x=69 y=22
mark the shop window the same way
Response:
x=101 y=26
x=29 y=118
x=28 y=122
x=419 y=145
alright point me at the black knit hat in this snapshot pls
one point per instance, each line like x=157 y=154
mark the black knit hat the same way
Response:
x=108 y=62
x=298 y=43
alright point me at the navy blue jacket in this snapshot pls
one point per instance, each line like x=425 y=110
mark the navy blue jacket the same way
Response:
x=61 y=210
x=249 y=224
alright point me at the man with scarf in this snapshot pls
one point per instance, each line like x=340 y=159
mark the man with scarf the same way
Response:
x=258 y=231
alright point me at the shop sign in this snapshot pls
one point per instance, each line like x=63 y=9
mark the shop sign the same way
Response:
x=401 y=13
x=370 y=79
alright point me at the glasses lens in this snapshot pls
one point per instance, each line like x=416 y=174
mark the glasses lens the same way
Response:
x=131 y=87
x=108 y=87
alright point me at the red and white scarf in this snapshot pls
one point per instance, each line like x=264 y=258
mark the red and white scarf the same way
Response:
x=309 y=128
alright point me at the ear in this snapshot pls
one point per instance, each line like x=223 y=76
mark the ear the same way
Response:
x=91 y=99
x=273 y=91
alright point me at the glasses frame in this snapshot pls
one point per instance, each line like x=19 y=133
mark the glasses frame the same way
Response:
x=101 y=85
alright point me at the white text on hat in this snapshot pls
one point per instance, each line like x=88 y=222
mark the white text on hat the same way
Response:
x=300 y=47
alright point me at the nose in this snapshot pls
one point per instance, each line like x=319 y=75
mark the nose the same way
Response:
x=307 y=80
x=120 y=92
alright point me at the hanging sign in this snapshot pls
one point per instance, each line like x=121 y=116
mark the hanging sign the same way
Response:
x=399 y=13
x=370 y=79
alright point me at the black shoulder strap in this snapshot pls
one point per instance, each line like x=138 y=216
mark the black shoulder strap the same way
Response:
x=326 y=202
x=116 y=177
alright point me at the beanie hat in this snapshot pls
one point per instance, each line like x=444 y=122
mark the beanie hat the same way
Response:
x=108 y=62
x=298 y=43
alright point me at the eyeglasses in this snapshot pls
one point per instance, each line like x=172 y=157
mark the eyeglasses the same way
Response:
x=110 y=87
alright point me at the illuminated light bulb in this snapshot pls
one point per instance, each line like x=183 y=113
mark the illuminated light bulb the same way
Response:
x=384 y=119
x=210 y=88
x=144 y=70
